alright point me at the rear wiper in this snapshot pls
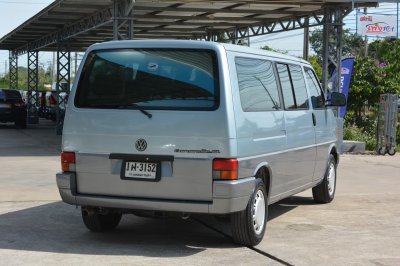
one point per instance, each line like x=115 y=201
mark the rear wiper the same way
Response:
x=137 y=107
x=117 y=106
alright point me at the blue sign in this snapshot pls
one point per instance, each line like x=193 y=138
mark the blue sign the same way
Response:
x=345 y=78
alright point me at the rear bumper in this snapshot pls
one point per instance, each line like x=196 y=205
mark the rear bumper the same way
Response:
x=228 y=197
x=11 y=116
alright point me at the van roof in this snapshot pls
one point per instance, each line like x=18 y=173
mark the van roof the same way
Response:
x=191 y=44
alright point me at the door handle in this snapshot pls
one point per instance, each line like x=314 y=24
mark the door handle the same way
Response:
x=314 y=120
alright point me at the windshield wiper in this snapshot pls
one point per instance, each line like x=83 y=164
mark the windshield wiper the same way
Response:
x=137 y=107
x=117 y=106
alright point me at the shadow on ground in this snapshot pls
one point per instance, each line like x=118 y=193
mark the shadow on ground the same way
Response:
x=58 y=228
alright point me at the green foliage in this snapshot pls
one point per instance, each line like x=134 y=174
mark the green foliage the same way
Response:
x=268 y=48
x=316 y=65
x=387 y=53
x=375 y=74
x=365 y=85
x=44 y=78
x=361 y=129
x=357 y=134
x=352 y=44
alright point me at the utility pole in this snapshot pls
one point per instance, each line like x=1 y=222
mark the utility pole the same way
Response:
x=5 y=68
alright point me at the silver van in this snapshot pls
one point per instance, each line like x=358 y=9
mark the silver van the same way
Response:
x=195 y=127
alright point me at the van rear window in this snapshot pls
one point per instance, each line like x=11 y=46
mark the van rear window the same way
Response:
x=160 y=79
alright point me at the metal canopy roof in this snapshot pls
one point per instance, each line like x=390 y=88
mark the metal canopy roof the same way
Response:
x=83 y=22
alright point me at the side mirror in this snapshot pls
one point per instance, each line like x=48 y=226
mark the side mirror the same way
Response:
x=336 y=99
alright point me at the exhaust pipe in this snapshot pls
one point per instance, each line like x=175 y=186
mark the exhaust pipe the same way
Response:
x=88 y=211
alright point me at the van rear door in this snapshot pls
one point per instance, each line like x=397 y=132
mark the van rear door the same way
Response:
x=151 y=112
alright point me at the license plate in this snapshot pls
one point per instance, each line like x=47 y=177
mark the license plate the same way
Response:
x=140 y=170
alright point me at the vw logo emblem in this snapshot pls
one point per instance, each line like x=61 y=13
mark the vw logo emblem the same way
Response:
x=141 y=145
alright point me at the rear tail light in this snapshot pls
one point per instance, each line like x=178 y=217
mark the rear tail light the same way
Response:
x=68 y=161
x=225 y=169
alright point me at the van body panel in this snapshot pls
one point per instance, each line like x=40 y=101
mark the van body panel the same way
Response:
x=325 y=135
x=301 y=148
x=194 y=138
x=286 y=142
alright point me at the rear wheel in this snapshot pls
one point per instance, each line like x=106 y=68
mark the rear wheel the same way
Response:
x=325 y=191
x=248 y=226
x=392 y=151
x=20 y=122
x=97 y=221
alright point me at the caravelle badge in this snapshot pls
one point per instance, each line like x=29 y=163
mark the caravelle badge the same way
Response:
x=141 y=144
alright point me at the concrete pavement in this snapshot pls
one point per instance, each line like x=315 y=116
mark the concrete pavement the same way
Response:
x=361 y=226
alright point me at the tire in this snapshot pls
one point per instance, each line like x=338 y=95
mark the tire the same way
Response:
x=20 y=123
x=382 y=151
x=99 y=222
x=246 y=230
x=392 y=151
x=325 y=191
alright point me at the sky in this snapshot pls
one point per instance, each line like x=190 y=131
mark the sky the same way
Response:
x=15 y=12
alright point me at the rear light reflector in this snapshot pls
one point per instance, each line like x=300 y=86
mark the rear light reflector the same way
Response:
x=225 y=169
x=68 y=161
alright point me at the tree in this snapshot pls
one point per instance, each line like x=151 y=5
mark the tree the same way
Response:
x=365 y=85
x=268 y=48
x=387 y=54
x=316 y=65
x=352 y=44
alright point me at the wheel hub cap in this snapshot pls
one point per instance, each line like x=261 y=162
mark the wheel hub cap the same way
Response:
x=258 y=212
x=331 y=179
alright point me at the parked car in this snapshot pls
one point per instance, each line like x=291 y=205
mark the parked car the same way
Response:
x=51 y=104
x=12 y=108
x=195 y=127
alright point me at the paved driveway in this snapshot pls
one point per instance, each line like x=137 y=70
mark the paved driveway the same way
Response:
x=361 y=227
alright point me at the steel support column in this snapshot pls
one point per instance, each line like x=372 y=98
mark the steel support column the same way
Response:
x=63 y=84
x=306 y=40
x=33 y=82
x=13 y=71
x=332 y=45
x=123 y=19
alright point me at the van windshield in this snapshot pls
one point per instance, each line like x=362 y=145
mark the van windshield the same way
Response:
x=153 y=79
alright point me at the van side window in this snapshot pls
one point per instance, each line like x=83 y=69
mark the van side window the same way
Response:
x=316 y=94
x=257 y=85
x=286 y=84
x=299 y=85
x=293 y=86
